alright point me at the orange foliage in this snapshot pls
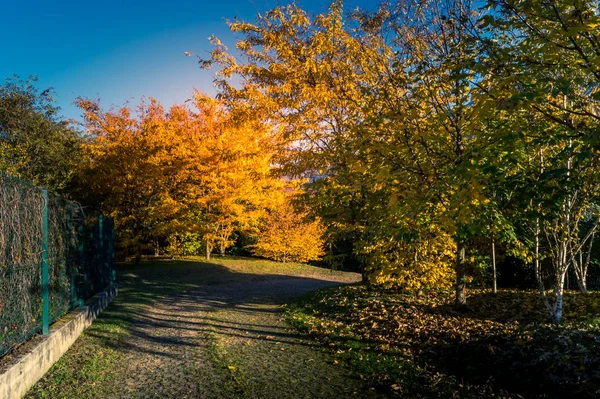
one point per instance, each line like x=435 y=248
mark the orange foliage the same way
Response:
x=186 y=171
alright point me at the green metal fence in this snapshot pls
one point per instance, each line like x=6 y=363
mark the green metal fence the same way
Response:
x=54 y=255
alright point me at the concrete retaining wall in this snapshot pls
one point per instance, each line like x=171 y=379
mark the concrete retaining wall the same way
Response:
x=27 y=370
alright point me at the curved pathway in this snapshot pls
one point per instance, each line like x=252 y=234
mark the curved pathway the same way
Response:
x=230 y=341
x=226 y=339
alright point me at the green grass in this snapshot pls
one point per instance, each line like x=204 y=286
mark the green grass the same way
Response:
x=91 y=367
x=421 y=347
x=234 y=385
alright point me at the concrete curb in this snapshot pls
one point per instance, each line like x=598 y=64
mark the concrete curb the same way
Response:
x=32 y=366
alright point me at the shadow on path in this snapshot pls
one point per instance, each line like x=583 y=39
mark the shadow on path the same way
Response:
x=209 y=330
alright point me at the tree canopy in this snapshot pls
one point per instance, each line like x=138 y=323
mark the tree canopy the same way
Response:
x=36 y=144
x=418 y=139
x=432 y=131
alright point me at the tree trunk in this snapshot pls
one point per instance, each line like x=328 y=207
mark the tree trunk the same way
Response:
x=561 y=269
x=494 y=277
x=364 y=278
x=538 y=266
x=208 y=250
x=580 y=274
x=557 y=313
x=581 y=266
x=222 y=249
x=138 y=254
x=582 y=286
x=461 y=273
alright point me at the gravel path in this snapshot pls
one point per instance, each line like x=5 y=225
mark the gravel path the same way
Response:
x=229 y=341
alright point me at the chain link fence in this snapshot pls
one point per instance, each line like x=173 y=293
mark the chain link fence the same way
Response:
x=37 y=286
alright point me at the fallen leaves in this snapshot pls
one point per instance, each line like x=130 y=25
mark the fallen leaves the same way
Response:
x=500 y=343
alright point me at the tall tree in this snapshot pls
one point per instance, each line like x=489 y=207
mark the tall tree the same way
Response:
x=431 y=134
x=132 y=169
x=36 y=144
x=186 y=171
x=309 y=75
x=542 y=75
x=237 y=180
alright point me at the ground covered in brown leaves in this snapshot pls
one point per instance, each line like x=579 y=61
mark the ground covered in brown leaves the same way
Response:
x=419 y=346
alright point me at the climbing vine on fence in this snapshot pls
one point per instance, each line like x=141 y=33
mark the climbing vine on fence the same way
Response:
x=80 y=258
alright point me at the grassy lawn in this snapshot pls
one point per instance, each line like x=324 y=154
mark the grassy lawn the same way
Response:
x=93 y=367
x=420 y=347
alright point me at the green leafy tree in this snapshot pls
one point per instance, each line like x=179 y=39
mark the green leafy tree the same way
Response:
x=541 y=80
x=36 y=144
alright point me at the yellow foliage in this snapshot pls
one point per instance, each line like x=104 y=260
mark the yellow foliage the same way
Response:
x=191 y=170
x=426 y=263
x=287 y=236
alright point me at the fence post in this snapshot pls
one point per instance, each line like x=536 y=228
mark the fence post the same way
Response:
x=102 y=254
x=82 y=260
x=73 y=270
x=73 y=301
x=112 y=251
x=45 y=271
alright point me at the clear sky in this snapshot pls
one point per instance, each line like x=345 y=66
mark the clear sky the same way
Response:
x=120 y=50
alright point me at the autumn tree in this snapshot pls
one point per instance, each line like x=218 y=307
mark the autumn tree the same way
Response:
x=287 y=235
x=308 y=75
x=236 y=180
x=189 y=171
x=303 y=74
x=133 y=169
x=430 y=121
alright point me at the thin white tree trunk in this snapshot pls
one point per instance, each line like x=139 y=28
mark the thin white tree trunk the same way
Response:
x=494 y=277
x=538 y=267
x=581 y=266
x=557 y=310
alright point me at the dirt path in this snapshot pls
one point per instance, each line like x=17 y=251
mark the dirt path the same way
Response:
x=227 y=340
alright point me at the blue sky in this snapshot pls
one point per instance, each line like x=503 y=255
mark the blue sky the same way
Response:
x=120 y=50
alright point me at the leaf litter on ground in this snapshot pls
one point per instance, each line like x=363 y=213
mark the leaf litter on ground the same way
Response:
x=419 y=345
